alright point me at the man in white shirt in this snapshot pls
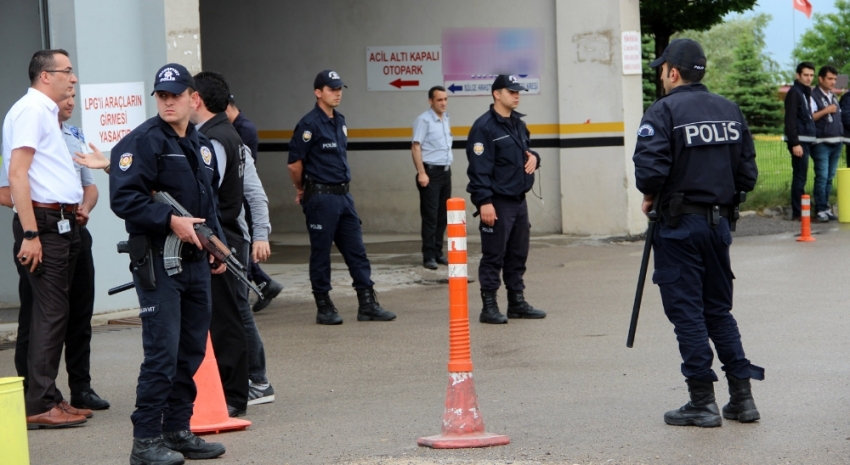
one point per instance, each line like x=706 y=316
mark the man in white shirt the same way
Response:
x=81 y=294
x=46 y=190
x=432 y=157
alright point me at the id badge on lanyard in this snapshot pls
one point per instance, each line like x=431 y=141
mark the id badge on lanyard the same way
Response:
x=63 y=225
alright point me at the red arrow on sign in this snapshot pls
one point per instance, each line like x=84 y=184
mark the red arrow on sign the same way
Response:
x=399 y=83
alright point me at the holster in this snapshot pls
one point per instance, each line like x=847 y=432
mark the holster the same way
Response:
x=676 y=207
x=141 y=260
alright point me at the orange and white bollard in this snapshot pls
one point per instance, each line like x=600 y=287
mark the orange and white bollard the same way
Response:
x=805 y=220
x=463 y=426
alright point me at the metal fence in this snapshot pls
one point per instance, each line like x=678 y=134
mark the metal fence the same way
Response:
x=774 y=164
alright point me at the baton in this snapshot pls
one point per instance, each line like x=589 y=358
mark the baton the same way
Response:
x=120 y=288
x=644 y=264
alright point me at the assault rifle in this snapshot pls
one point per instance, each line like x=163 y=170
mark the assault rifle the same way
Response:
x=171 y=252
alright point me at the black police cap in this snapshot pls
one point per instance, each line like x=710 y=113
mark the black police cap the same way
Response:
x=174 y=78
x=504 y=81
x=328 y=78
x=686 y=53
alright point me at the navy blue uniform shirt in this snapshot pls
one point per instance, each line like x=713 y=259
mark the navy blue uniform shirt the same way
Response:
x=320 y=143
x=154 y=158
x=248 y=132
x=697 y=143
x=496 y=149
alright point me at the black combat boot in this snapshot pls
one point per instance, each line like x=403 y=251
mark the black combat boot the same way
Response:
x=326 y=313
x=152 y=451
x=519 y=308
x=490 y=311
x=701 y=411
x=741 y=405
x=370 y=309
x=191 y=446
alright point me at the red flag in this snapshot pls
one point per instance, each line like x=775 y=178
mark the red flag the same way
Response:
x=804 y=6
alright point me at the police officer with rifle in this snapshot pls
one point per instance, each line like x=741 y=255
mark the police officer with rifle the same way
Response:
x=167 y=154
x=695 y=154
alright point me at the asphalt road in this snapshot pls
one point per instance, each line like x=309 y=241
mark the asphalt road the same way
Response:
x=565 y=389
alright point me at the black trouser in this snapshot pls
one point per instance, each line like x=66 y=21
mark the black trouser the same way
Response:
x=694 y=274
x=50 y=306
x=332 y=219
x=432 y=209
x=504 y=246
x=227 y=331
x=81 y=308
x=800 y=170
x=175 y=321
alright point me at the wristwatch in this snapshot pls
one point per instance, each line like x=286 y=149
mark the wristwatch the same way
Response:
x=29 y=235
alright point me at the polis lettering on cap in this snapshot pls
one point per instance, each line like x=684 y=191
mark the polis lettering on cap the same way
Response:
x=173 y=78
x=686 y=53
x=504 y=81
x=328 y=78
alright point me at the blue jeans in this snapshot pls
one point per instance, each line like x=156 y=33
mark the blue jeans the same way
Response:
x=825 y=157
x=256 y=351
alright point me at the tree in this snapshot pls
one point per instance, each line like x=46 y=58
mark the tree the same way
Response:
x=752 y=88
x=663 y=18
x=647 y=47
x=720 y=42
x=828 y=41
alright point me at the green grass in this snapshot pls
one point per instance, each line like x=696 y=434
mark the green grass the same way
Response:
x=774 y=183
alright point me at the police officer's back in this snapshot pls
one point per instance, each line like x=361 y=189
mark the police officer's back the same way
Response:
x=694 y=154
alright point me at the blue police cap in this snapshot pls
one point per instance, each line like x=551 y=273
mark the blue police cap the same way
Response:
x=174 y=78
x=504 y=81
x=328 y=78
x=686 y=53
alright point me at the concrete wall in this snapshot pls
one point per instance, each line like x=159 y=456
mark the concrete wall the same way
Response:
x=597 y=184
x=20 y=34
x=271 y=75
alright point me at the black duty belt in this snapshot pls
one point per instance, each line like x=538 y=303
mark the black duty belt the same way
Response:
x=703 y=209
x=338 y=189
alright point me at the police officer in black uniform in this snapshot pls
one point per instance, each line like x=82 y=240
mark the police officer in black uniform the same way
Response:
x=318 y=166
x=501 y=171
x=694 y=155
x=167 y=154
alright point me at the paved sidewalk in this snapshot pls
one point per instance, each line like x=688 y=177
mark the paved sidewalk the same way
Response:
x=565 y=389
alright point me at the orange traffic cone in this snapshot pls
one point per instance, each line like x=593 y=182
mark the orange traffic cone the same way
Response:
x=210 y=413
x=805 y=220
x=463 y=425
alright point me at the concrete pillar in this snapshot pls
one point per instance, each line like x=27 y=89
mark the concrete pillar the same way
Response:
x=597 y=175
x=118 y=42
x=183 y=33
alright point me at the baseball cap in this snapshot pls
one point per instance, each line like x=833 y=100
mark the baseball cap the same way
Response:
x=686 y=53
x=504 y=81
x=174 y=78
x=328 y=78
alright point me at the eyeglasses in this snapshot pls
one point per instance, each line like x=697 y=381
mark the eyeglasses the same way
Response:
x=66 y=70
